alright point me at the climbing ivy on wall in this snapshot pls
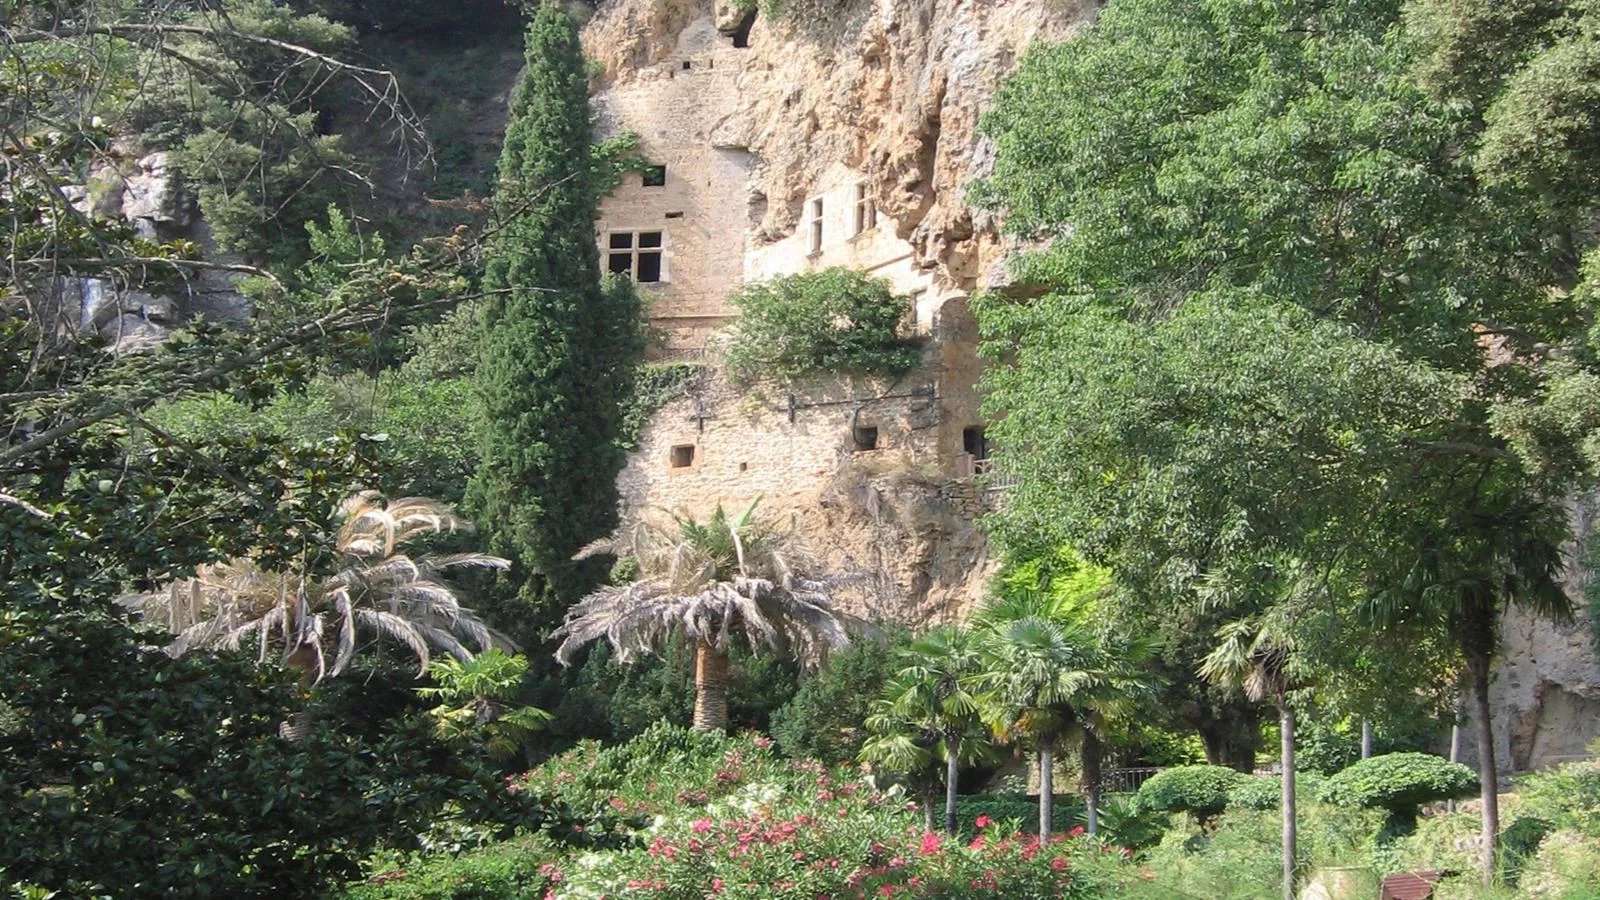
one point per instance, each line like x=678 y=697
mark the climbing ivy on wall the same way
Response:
x=835 y=320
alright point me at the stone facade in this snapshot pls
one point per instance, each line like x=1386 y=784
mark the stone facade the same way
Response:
x=792 y=147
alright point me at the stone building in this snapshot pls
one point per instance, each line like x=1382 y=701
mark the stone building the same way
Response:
x=788 y=147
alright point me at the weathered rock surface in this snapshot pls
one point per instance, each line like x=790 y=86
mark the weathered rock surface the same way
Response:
x=891 y=88
x=149 y=192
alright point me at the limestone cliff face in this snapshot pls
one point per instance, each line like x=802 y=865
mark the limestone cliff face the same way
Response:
x=889 y=88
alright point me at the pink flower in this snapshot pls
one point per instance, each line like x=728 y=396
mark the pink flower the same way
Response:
x=983 y=822
x=1059 y=864
x=1077 y=831
x=930 y=842
x=700 y=826
x=716 y=885
x=844 y=812
x=825 y=796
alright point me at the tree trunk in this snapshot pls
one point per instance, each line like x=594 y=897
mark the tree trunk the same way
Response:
x=1478 y=668
x=1092 y=751
x=1455 y=745
x=1230 y=742
x=710 y=688
x=1366 y=738
x=1047 y=790
x=928 y=794
x=952 y=770
x=1286 y=751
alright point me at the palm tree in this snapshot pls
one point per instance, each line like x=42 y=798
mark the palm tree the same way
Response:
x=914 y=750
x=1459 y=584
x=935 y=691
x=1051 y=679
x=1256 y=654
x=709 y=580
x=313 y=620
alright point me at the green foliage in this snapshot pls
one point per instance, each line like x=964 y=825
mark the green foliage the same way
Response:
x=1124 y=824
x=1400 y=783
x=472 y=708
x=1199 y=790
x=1267 y=793
x=833 y=321
x=520 y=867
x=417 y=18
x=826 y=719
x=1016 y=809
x=130 y=773
x=658 y=385
x=1568 y=795
x=1519 y=845
x=558 y=348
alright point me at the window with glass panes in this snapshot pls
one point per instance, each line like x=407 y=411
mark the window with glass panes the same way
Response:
x=636 y=254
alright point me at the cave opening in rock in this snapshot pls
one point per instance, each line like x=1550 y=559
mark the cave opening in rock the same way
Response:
x=741 y=35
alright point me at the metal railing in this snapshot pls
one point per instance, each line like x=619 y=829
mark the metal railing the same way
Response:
x=1126 y=780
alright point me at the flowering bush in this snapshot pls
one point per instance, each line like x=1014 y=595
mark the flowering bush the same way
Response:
x=712 y=816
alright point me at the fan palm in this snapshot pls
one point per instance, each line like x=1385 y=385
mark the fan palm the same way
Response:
x=1051 y=678
x=1255 y=654
x=709 y=580
x=1458 y=585
x=914 y=750
x=312 y=620
x=935 y=692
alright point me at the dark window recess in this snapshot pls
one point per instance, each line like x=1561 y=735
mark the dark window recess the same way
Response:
x=741 y=36
x=866 y=437
x=656 y=176
x=622 y=241
x=621 y=263
x=674 y=215
x=973 y=441
x=682 y=456
x=649 y=239
x=687 y=65
x=649 y=266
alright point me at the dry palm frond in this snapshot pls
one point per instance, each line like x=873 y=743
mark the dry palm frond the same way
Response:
x=379 y=590
x=706 y=581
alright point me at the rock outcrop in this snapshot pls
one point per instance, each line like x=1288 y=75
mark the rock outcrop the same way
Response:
x=891 y=88
x=148 y=191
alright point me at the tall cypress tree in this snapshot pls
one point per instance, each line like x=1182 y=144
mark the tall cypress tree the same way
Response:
x=559 y=348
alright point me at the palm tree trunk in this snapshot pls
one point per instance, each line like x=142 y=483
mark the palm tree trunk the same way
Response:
x=952 y=770
x=928 y=794
x=1455 y=743
x=1366 y=738
x=710 y=688
x=1478 y=668
x=1286 y=751
x=1092 y=752
x=1047 y=790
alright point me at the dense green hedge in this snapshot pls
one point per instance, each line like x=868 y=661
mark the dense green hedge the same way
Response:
x=1199 y=790
x=1267 y=792
x=1400 y=782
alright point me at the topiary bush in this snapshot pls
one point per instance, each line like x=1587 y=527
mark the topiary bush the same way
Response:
x=1400 y=783
x=1201 y=791
x=1265 y=793
x=836 y=320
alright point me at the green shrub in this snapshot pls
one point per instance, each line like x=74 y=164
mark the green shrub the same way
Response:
x=835 y=320
x=1199 y=790
x=1568 y=796
x=1519 y=844
x=517 y=868
x=1400 y=783
x=1265 y=793
x=1566 y=866
x=1067 y=813
x=826 y=720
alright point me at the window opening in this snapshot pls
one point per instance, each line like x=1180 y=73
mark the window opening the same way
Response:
x=687 y=65
x=636 y=254
x=741 y=36
x=911 y=322
x=866 y=437
x=866 y=212
x=816 y=225
x=682 y=456
x=656 y=176
x=675 y=215
x=974 y=442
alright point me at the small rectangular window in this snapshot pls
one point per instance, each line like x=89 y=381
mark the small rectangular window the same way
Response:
x=865 y=437
x=655 y=176
x=866 y=212
x=816 y=226
x=911 y=319
x=682 y=456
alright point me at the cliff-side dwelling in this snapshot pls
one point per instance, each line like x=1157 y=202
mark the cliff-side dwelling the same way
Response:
x=778 y=148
